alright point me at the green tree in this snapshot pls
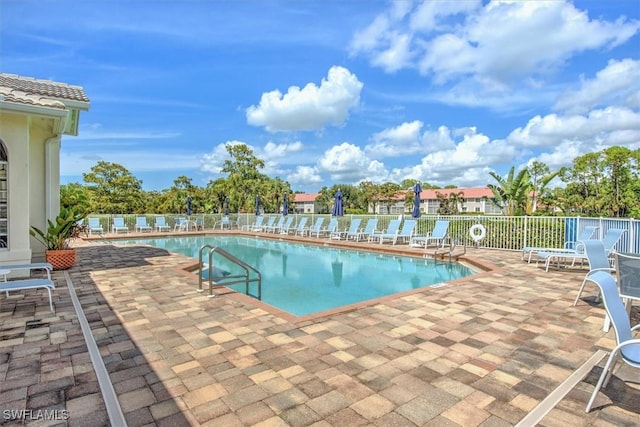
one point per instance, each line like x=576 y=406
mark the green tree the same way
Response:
x=76 y=197
x=272 y=195
x=619 y=164
x=448 y=204
x=114 y=189
x=244 y=176
x=215 y=194
x=604 y=183
x=512 y=192
x=541 y=176
x=368 y=195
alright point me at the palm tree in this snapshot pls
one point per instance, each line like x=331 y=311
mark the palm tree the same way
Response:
x=512 y=192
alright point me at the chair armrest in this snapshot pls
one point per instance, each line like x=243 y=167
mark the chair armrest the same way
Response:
x=608 y=270
x=635 y=341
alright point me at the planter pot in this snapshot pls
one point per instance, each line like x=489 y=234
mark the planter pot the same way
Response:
x=61 y=259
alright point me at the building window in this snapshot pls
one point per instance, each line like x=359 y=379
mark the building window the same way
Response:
x=4 y=199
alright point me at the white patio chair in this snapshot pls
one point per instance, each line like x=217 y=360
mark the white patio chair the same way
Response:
x=627 y=348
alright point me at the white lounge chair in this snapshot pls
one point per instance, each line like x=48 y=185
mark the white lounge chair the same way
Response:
x=406 y=232
x=286 y=226
x=315 y=229
x=331 y=227
x=610 y=239
x=118 y=225
x=627 y=348
x=161 y=224
x=223 y=223
x=94 y=226
x=369 y=229
x=569 y=246
x=352 y=231
x=199 y=224
x=391 y=233
x=181 y=224
x=598 y=261
x=301 y=226
x=437 y=235
x=21 y=285
x=272 y=225
x=141 y=224
x=32 y=266
x=256 y=226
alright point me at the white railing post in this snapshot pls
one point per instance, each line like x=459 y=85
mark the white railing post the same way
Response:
x=601 y=227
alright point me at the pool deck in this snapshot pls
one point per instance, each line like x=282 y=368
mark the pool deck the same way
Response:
x=481 y=351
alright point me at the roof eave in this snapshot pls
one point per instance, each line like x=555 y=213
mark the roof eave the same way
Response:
x=16 y=107
x=76 y=105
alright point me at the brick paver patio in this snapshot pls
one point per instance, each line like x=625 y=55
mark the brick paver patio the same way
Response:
x=478 y=352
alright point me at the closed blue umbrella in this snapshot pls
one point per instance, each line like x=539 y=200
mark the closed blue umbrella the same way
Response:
x=257 y=205
x=188 y=205
x=285 y=205
x=416 y=201
x=338 y=208
x=226 y=206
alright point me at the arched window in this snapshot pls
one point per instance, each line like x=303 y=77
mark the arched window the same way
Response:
x=4 y=198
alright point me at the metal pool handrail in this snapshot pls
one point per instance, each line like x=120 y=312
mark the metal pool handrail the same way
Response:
x=226 y=279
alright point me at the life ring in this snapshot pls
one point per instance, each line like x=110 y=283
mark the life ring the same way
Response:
x=477 y=232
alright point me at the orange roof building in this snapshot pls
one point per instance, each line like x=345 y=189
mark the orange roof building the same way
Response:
x=474 y=199
x=306 y=203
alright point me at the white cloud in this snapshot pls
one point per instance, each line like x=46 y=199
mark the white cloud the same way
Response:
x=440 y=139
x=432 y=16
x=372 y=37
x=617 y=84
x=398 y=141
x=310 y=108
x=597 y=126
x=493 y=48
x=278 y=151
x=464 y=163
x=304 y=176
x=348 y=163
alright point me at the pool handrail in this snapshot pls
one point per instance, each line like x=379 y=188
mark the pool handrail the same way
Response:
x=246 y=267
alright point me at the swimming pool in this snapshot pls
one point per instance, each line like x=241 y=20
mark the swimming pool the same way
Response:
x=307 y=279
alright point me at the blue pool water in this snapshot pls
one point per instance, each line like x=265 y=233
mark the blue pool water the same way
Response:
x=305 y=279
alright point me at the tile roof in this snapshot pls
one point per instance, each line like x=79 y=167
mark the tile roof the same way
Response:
x=467 y=193
x=303 y=197
x=44 y=93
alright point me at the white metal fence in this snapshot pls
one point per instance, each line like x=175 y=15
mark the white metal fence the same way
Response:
x=502 y=232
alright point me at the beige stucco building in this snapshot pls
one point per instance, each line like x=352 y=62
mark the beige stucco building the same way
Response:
x=480 y=200
x=34 y=115
x=305 y=203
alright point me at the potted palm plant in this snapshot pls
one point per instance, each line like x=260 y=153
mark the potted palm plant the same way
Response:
x=58 y=236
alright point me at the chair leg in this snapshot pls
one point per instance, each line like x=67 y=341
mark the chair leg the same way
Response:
x=580 y=291
x=601 y=381
x=50 y=299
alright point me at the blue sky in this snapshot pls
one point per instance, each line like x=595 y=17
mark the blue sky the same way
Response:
x=335 y=91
